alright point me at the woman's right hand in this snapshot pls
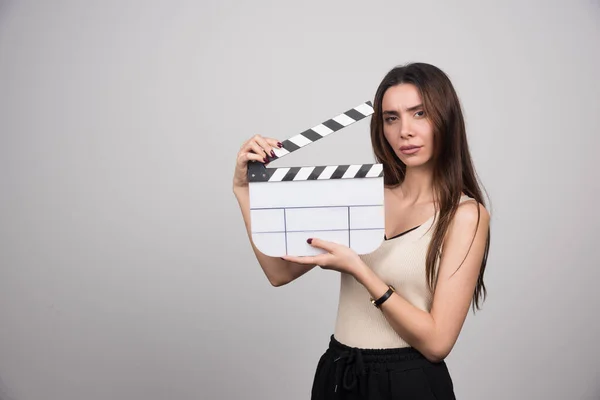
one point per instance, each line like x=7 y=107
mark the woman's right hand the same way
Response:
x=257 y=148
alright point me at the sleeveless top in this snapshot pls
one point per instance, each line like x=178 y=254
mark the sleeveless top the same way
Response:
x=400 y=262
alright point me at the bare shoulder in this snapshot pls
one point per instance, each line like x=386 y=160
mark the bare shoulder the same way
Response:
x=470 y=213
x=465 y=241
x=468 y=229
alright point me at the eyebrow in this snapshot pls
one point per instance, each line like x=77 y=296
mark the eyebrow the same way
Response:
x=413 y=108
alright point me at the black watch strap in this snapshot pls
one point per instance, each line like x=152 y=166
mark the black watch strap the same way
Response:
x=377 y=303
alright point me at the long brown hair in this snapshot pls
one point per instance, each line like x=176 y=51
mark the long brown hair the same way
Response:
x=453 y=171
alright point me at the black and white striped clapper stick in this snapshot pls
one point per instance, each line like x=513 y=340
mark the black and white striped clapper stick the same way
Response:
x=337 y=203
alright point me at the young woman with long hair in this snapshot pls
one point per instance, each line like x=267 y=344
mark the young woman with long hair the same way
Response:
x=401 y=307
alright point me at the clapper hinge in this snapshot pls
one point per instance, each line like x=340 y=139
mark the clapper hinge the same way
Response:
x=257 y=172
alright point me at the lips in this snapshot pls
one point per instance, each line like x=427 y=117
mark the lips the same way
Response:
x=409 y=149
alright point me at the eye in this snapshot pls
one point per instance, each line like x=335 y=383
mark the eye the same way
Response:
x=389 y=119
x=420 y=113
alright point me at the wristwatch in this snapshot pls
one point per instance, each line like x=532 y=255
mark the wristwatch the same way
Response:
x=377 y=303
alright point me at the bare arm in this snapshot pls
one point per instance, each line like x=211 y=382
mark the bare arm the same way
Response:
x=278 y=271
x=435 y=333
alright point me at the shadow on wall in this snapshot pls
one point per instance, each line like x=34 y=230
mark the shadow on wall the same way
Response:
x=3 y=392
x=5 y=6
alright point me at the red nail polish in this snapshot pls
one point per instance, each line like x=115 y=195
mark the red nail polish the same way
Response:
x=264 y=159
x=272 y=153
x=309 y=241
x=279 y=144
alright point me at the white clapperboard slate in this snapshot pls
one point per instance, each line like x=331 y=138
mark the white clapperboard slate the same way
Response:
x=337 y=203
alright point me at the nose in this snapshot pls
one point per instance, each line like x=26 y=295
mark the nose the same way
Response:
x=405 y=130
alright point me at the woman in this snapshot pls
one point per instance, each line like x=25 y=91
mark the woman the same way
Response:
x=402 y=306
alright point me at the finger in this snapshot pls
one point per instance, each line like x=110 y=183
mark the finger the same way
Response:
x=274 y=142
x=243 y=146
x=321 y=244
x=304 y=259
x=254 y=147
x=268 y=145
x=245 y=157
x=265 y=146
x=249 y=143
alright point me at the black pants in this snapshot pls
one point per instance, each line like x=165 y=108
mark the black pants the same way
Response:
x=351 y=373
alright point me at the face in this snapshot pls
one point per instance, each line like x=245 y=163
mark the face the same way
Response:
x=405 y=125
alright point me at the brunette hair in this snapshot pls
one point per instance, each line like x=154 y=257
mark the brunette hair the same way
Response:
x=453 y=171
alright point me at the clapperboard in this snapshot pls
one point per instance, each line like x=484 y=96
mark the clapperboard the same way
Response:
x=337 y=203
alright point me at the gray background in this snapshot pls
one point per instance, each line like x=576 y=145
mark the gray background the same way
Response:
x=125 y=271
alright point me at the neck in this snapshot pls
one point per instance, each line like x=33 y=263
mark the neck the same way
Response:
x=417 y=186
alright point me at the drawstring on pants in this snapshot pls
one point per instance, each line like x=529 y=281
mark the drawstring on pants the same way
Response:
x=375 y=372
x=349 y=368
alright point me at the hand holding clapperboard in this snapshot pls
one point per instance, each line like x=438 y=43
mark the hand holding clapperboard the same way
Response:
x=336 y=203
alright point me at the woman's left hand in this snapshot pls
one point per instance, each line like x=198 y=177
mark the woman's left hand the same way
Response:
x=338 y=257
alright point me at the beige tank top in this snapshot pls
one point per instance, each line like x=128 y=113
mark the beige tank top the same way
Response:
x=400 y=262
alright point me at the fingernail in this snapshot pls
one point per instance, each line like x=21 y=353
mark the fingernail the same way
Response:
x=264 y=159
x=272 y=153
x=309 y=241
x=279 y=144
